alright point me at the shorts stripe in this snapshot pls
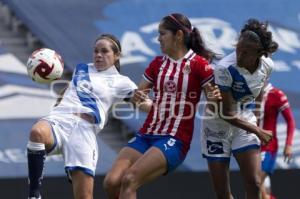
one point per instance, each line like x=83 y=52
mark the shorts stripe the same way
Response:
x=246 y=148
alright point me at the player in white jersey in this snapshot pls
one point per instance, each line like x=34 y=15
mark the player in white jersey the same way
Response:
x=72 y=125
x=240 y=77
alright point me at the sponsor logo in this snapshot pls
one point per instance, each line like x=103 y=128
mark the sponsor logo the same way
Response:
x=214 y=147
x=170 y=86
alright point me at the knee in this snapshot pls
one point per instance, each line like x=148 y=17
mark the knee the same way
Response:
x=130 y=179
x=37 y=133
x=111 y=181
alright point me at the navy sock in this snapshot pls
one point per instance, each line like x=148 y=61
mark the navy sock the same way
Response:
x=36 y=159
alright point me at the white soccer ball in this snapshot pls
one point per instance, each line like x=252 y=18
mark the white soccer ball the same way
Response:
x=45 y=65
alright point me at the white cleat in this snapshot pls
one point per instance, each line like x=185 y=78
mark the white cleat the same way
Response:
x=35 y=198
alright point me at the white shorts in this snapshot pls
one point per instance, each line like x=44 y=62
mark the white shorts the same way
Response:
x=75 y=139
x=219 y=139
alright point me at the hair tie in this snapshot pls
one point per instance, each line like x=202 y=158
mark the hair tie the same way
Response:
x=180 y=24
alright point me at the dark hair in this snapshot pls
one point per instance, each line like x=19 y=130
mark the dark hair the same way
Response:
x=115 y=45
x=192 y=36
x=257 y=32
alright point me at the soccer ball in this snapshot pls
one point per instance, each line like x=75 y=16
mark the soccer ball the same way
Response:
x=45 y=65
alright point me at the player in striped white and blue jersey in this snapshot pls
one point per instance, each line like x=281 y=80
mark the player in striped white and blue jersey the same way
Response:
x=71 y=127
x=240 y=77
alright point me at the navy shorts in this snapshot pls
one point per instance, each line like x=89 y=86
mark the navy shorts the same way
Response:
x=172 y=148
x=268 y=162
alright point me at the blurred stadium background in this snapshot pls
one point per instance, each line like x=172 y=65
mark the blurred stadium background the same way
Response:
x=71 y=26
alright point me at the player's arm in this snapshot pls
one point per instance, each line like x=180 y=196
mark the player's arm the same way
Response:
x=231 y=117
x=141 y=96
x=213 y=96
x=289 y=119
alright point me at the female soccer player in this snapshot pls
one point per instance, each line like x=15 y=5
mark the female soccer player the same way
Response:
x=275 y=102
x=240 y=77
x=177 y=79
x=72 y=125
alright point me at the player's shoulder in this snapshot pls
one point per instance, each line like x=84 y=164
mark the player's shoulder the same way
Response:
x=277 y=92
x=227 y=61
x=199 y=60
x=158 y=60
x=267 y=62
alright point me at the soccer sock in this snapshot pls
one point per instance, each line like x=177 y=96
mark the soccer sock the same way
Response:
x=36 y=155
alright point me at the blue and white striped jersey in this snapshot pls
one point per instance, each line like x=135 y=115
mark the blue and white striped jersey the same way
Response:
x=94 y=92
x=244 y=86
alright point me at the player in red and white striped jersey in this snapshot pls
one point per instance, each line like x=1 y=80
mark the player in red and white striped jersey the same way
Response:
x=275 y=102
x=177 y=80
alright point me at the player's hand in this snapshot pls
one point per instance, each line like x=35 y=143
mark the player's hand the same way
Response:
x=288 y=153
x=139 y=97
x=265 y=136
x=213 y=93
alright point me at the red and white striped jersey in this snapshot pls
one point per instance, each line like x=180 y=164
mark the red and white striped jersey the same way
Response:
x=275 y=101
x=177 y=87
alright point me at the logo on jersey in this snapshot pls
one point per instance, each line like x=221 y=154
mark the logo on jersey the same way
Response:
x=187 y=69
x=170 y=86
x=214 y=147
x=216 y=134
x=85 y=86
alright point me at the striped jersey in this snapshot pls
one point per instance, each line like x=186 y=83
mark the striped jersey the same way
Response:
x=243 y=85
x=94 y=92
x=275 y=102
x=177 y=87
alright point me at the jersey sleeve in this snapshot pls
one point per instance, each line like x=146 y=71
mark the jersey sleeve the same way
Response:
x=290 y=121
x=207 y=74
x=127 y=89
x=269 y=66
x=282 y=101
x=150 y=72
x=223 y=78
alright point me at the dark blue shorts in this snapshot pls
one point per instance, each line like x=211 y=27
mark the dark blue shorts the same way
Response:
x=268 y=162
x=172 y=148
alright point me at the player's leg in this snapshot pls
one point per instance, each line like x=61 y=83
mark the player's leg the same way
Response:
x=127 y=157
x=268 y=167
x=165 y=155
x=151 y=165
x=112 y=181
x=250 y=167
x=80 y=151
x=40 y=141
x=82 y=184
x=219 y=172
x=265 y=186
x=216 y=148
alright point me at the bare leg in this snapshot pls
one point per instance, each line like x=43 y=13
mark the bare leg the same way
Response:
x=83 y=185
x=219 y=172
x=148 y=167
x=113 y=179
x=250 y=166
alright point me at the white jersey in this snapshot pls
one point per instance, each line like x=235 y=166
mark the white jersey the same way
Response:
x=94 y=92
x=244 y=86
x=219 y=138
